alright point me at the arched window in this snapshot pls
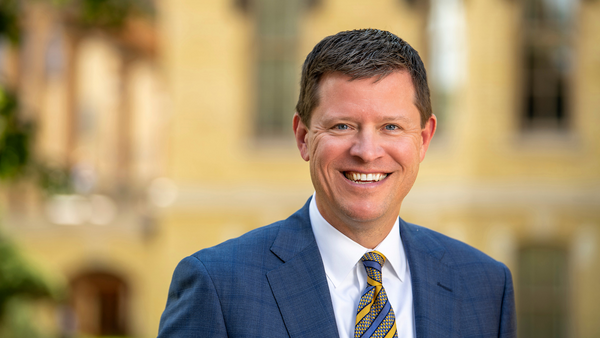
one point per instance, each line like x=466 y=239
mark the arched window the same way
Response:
x=100 y=303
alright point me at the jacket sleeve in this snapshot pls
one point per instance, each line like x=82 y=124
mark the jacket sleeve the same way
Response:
x=193 y=307
x=508 y=321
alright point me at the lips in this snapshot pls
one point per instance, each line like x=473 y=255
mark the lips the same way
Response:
x=362 y=178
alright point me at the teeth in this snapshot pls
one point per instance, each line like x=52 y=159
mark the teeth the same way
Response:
x=365 y=178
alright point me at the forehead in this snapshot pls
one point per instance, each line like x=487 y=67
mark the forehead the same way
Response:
x=339 y=93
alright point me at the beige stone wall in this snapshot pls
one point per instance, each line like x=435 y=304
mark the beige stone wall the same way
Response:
x=484 y=181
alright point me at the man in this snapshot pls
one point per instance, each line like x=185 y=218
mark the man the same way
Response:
x=345 y=265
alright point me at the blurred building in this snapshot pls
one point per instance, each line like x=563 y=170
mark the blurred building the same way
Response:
x=177 y=135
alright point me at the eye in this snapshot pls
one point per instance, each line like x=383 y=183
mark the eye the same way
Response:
x=341 y=126
x=391 y=127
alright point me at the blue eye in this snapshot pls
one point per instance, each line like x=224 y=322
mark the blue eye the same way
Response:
x=391 y=127
x=341 y=126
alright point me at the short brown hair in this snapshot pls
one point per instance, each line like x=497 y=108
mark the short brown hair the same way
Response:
x=360 y=54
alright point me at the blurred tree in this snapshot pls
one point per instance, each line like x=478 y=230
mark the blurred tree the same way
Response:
x=17 y=321
x=9 y=20
x=110 y=16
x=15 y=137
x=15 y=154
x=105 y=14
x=19 y=282
x=17 y=278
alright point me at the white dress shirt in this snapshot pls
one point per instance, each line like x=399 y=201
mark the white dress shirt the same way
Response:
x=347 y=278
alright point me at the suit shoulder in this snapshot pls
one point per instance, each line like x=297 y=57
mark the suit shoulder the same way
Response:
x=453 y=252
x=295 y=231
x=252 y=243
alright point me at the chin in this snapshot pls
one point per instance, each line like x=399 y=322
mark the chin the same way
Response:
x=364 y=213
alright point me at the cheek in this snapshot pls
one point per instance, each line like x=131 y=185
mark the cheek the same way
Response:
x=405 y=152
x=325 y=151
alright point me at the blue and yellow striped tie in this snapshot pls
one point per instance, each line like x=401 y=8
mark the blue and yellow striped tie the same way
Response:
x=375 y=317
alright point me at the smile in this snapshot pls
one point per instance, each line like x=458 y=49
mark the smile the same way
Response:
x=364 y=178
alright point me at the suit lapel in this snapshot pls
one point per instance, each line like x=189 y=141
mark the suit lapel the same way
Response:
x=299 y=285
x=436 y=287
x=300 y=288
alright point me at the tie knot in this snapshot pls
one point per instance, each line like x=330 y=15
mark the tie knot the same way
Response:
x=373 y=261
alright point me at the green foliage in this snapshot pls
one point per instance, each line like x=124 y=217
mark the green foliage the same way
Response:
x=18 y=278
x=15 y=138
x=105 y=14
x=20 y=285
x=19 y=321
x=53 y=180
x=9 y=20
x=15 y=157
x=110 y=13
x=19 y=282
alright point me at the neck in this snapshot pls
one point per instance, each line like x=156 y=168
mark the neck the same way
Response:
x=366 y=233
x=369 y=239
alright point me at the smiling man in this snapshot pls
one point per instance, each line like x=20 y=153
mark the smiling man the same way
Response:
x=364 y=142
x=345 y=265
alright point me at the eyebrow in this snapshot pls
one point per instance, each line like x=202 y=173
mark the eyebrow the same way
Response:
x=392 y=117
x=395 y=117
x=383 y=118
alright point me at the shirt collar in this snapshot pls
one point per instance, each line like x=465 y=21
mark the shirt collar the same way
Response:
x=340 y=254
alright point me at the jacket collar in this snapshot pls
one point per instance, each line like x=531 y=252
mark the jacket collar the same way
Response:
x=299 y=284
x=436 y=287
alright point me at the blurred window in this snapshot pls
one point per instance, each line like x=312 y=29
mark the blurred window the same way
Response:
x=542 y=292
x=277 y=65
x=102 y=134
x=448 y=54
x=548 y=28
x=55 y=52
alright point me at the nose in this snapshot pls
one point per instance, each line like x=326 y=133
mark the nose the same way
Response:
x=366 y=146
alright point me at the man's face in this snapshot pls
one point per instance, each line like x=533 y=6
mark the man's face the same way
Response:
x=364 y=145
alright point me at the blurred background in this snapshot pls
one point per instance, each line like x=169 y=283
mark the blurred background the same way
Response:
x=136 y=132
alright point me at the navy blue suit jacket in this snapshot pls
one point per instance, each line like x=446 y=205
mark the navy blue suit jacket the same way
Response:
x=271 y=282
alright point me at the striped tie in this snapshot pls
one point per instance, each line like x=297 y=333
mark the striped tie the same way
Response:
x=375 y=317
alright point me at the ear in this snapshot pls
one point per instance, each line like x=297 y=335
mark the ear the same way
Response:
x=301 y=134
x=427 y=135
